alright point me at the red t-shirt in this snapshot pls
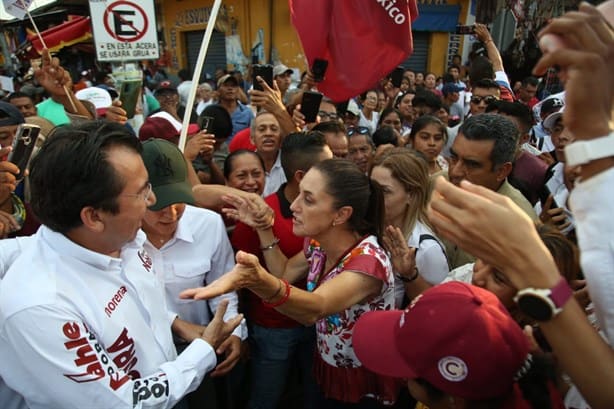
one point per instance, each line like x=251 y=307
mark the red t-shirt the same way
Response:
x=242 y=140
x=246 y=239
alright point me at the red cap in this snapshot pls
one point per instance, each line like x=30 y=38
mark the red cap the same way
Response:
x=456 y=336
x=159 y=127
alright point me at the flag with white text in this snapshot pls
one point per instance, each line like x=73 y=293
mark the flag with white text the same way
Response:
x=363 y=40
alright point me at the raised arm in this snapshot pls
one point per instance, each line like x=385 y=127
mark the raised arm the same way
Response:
x=482 y=33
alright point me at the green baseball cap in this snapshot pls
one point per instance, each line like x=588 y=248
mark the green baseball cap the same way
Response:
x=168 y=173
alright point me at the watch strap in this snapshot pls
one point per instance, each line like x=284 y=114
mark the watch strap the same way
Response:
x=582 y=152
x=561 y=293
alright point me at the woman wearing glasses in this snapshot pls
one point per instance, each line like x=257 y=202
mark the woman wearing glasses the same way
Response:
x=369 y=117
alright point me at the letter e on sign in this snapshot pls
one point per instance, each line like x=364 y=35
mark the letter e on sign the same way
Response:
x=125 y=21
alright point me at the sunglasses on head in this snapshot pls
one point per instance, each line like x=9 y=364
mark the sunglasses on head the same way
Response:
x=360 y=130
x=488 y=99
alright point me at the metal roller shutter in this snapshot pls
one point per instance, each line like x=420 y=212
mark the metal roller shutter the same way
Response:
x=417 y=61
x=216 y=55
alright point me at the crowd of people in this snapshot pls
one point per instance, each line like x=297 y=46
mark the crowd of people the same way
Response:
x=438 y=243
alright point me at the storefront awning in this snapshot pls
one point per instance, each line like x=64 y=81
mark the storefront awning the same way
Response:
x=75 y=30
x=436 y=18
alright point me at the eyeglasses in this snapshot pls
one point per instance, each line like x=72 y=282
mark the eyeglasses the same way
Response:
x=144 y=194
x=360 y=130
x=488 y=99
x=328 y=115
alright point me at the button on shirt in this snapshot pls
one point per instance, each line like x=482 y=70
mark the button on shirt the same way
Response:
x=197 y=255
x=82 y=329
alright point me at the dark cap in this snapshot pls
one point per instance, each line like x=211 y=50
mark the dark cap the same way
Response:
x=451 y=87
x=551 y=105
x=10 y=115
x=168 y=173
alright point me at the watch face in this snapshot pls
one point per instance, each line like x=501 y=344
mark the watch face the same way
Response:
x=535 y=307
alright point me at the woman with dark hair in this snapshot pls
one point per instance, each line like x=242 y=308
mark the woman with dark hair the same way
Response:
x=428 y=136
x=340 y=212
x=244 y=170
x=403 y=104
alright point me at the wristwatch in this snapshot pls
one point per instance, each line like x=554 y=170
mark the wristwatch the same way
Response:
x=582 y=152
x=544 y=304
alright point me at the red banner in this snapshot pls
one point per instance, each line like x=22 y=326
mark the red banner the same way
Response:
x=363 y=40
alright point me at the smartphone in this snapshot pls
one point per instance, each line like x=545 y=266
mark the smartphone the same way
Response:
x=544 y=192
x=396 y=77
x=206 y=123
x=266 y=72
x=318 y=69
x=23 y=146
x=310 y=105
x=129 y=95
x=460 y=29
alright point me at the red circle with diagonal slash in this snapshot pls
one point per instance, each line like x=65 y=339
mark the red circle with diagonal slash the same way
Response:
x=139 y=35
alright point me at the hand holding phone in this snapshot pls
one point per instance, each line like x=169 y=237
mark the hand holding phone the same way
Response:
x=23 y=146
x=318 y=69
x=265 y=72
x=310 y=105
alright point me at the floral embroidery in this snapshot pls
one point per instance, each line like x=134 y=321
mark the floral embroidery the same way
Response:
x=335 y=331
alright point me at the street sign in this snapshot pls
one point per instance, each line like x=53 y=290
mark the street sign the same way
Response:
x=124 y=30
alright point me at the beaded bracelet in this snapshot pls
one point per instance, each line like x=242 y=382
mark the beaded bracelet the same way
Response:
x=283 y=299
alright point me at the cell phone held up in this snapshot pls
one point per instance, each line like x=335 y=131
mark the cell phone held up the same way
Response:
x=318 y=69
x=129 y=95
x=396 y=77
x=465 y=30
x=266 y=72
x=310 y=105
x=23 y=146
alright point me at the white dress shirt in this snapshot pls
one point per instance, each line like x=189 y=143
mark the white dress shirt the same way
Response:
x=592 y=202
x=275 y=178
x=81 y=329
x=197 y=255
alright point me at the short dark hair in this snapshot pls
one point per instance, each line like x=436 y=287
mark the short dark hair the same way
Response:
x=425 y=120
x=385 y=135
x=428 y=99
x=530 y=81
x=18 y=94
x=329 y=127
x=493 y=127
x=184 y=74
x=349 y=186
x=229 y=161
x=72 y=171
x=481 y=68
x=486 y=83
x=300 y=150
x=454 y=66
x=518 y=110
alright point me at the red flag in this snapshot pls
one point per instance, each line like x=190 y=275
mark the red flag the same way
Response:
x=363 y=40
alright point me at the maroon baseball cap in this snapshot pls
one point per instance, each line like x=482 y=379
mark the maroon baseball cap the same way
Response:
x=456 y=336
x=163 y=125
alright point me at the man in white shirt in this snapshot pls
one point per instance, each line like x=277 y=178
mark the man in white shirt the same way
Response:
x=83 y=321
x=266 y=135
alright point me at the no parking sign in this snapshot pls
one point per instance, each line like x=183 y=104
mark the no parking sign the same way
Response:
x=124 y=30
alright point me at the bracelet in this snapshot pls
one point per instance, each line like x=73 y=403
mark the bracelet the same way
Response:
x=408 y=279
x=271 y=298
x=274 y=243
x=283 y=299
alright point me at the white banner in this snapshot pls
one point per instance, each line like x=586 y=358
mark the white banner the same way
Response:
x=124 y=30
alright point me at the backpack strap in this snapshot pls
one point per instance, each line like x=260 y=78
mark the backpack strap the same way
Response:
x=430 y=237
